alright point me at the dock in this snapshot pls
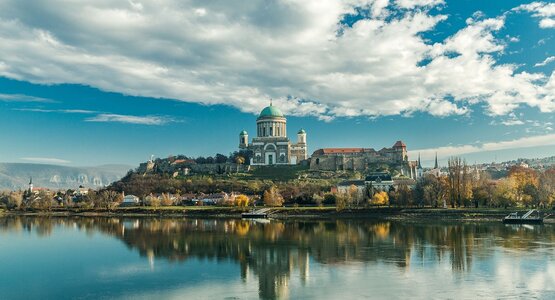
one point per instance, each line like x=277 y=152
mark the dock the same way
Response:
x=257 y=214
x=531 y=217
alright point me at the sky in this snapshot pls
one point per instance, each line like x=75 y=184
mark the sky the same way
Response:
x=92 y=82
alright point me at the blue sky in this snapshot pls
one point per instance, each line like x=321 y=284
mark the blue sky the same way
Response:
x=116 y=81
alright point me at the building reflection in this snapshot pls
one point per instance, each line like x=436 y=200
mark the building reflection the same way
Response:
x=273 y=251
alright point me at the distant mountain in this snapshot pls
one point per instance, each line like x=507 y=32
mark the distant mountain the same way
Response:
x=14 y=176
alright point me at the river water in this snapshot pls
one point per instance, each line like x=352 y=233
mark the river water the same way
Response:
x=126 y=258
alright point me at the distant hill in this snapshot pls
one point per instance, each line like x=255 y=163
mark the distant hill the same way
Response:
x=14 y=176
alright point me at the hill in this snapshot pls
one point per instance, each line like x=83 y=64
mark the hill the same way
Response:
x=14 y=176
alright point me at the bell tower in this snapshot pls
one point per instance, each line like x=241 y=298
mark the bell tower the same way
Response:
x=243 y=140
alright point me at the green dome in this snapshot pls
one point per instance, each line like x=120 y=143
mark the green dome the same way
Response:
x=271 y=111
x=301 y=131
x=243 y=133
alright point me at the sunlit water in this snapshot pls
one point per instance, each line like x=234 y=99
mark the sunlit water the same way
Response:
x=57 y=258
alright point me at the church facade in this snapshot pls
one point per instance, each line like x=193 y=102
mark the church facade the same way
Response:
x=271 y=146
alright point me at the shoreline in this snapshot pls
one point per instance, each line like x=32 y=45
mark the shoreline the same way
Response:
x=313 y=213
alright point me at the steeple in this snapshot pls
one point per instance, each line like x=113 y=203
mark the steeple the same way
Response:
x=30 y=184
x=419 y=162
x=436 y=166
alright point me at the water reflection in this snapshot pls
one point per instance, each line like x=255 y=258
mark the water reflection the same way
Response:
x=272 y=251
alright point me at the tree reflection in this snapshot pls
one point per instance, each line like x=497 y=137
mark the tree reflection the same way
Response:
x=274 y=250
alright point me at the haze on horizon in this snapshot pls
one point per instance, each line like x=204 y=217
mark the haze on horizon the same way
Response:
x=86 y=83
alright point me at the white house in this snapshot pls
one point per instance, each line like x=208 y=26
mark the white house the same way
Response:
x=131 y=199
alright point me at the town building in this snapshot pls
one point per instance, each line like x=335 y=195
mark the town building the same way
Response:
x=271 y=146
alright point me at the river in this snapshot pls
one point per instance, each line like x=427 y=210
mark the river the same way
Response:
x=146 y=258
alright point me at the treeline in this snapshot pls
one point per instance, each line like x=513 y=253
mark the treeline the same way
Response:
x=464 y=186
x=239 y=157
x=293 y=191
x=47 y=200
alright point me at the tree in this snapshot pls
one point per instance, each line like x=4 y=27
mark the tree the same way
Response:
x=272 y=197
x=380 y=198
x=166 y=200
x=319 y=200
x=353 y=196
x=403 y=195
x=109 y=199
x=525 y=181
x=220 y=159
x=239 y=160
x=504 y=195
x=242 y=200
x=152 y=201
x=340 y=202
x=547 y=188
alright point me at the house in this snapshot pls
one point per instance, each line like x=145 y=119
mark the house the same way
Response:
x=131 y=200
x=211 y=199
x=379 y=181
x=345 y=186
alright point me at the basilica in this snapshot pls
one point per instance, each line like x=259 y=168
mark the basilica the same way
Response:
x=271 y=146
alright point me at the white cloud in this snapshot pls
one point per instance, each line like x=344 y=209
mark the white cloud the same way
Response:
x=545 y=62
x=447 y=151
x=512 y=122
x=142 y=120
x=542 y=10
x=65 y=111
x=246 y=52
x=23 y=98
x=46 y=160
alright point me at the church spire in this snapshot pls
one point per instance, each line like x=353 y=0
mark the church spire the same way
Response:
x=419 y=162
x=30 y=184
x=436 y=166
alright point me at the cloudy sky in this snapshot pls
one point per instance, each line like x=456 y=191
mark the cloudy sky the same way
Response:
x=105 y=81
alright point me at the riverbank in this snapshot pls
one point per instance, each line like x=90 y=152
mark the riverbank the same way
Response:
x=381 y=213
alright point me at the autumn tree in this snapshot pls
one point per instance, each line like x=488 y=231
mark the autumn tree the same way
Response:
x=340 y=201
x=547 y=188
x=353 y=196
x=504 y=194
x=525 y=183
x=242 y=200
x=272 y=197
x=166 y=199
x=380 y=198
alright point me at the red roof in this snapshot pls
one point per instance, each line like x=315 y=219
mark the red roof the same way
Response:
x=340 y=150
x=399 y=144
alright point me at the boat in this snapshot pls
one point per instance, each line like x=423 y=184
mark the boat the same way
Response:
x=531 y=217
